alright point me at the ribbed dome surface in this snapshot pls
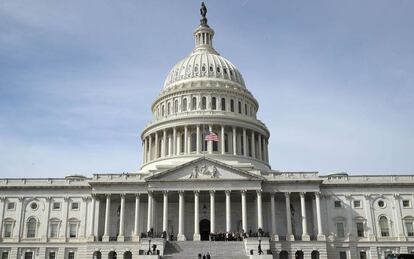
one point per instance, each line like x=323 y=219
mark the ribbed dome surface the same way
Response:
x=204 y=64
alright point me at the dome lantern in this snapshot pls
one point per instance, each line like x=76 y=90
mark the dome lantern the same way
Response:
x=203 y=34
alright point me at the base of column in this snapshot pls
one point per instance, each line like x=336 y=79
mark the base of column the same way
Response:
x=135 y=238
x=401 y=238
x=120 y=238
x=105 y=239
x=196 y=237
x=371 y=237
x=181 y=237
x=321 y=237
x=290 y=238
x=305 y=237
x=91 y=238
x=275 y=237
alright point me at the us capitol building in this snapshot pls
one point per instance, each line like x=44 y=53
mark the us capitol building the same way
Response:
x=206 y=170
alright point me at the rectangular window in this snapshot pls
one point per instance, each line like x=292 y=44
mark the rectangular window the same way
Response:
x=362 y=255
x=338 y=204
x=75 y=205
x=360 y=229
x=73 y=229
x=71 y=255
x=54 y=229
x=56 y=206
x=357 y=204
x=28 y=255
x=8 y=229
x=52 y=255
x=340 y=230
x=342 y=255
x=5 y=255
x=410 y=229
x=11 y=205
x=406 y=204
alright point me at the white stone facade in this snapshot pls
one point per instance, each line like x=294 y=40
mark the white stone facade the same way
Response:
x=189 y=187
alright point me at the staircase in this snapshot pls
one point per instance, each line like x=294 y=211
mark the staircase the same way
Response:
x=217 y=250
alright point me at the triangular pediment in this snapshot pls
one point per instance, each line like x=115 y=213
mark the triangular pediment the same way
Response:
x=204 y=169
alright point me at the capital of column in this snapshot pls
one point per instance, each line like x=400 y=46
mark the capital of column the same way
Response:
x=165 y=192
x=212 y=192
x=107 y=195
x=227 y=191
x=196 y=192
x=243 y=191
x=137 y=195
x=367 y=196
x=287 y=194
x=348 y=196
x=122 y=195
x=180 y=192
x=259 y=192
x=396 y=196
x=302 y=194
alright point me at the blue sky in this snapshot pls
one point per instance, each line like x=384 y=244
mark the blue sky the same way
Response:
x=334 y=79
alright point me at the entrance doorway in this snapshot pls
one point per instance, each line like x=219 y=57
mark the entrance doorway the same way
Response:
x=204 y=229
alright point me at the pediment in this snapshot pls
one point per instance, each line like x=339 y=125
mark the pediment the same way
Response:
x=203 y=169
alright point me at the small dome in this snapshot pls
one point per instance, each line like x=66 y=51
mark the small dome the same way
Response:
x=206 y=64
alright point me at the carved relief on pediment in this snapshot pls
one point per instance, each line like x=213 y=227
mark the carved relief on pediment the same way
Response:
x=204 y=172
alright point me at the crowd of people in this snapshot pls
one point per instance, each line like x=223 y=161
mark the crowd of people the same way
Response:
x=206 y=256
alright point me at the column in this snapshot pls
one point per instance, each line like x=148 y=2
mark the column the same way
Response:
x=149 y=212
x=198 y=140
x=228 y=211
x=350 y=224
x=145 y=157
x=164 y=143
x=149 y=148
x=244 y=142
x=305 y=236
x=196 y=236
x=253 y=145
x=244 y=212
x=289 y=235
x=169 y=145
x=174 y=144
x=178 y=145
x=186 y=146
x=210 y=143
x=156 y=146
x=46 y=219
x=260 y=156
x=235 y=142
x=181 y=211
x=321 y=236
x=398 y=217
x=121 y=235
x=223 y=147
x=91 y=236
x=273 y=216
x=370 y=226
x=3 y=201
x=165 y=213
x=212 y=212
x=136 y=218
x=105 y=237
x=259 y=209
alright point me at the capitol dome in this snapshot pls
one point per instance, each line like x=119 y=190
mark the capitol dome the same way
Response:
x=205 y=110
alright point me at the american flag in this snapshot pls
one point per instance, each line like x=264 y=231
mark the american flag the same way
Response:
x=211 y=137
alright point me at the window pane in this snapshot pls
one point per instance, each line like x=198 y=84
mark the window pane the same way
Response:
x=362 y=255
x=340 y=229
x=31 y=228
x=8 y=230
x=72 y=230
x=383 y=222
x=52 y=255
x=54 y=230
x=71 y=255
x=10 y=206
x=342 y=255
x=360 y=229
x=410 y=229
x=75 y=205
x=338 y=204
x=223 y=104
x=5 y=255
x=56 y=205
x=28 y=255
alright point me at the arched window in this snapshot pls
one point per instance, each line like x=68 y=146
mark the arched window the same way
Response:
x=223 y=104
x=203 y=103
x=245 y=109
x=315 y=254
x=239 y=107
x=214 y=103
x=162 y=110
x=383 y=223
x=176 y=106
x=299 y=255
x=193 y=142
x=284 y=255
x=31 y=228
x=194 y=103
x=169 y=108
x=184 y=108
x=215 y=146
x=232 y=105
x=205 y=142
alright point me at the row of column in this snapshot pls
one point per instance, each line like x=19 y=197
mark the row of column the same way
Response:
x=171 y=143
x=196 y=236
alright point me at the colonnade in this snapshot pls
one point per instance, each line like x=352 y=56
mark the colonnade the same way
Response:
x=196 y=235
x=189 y=139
